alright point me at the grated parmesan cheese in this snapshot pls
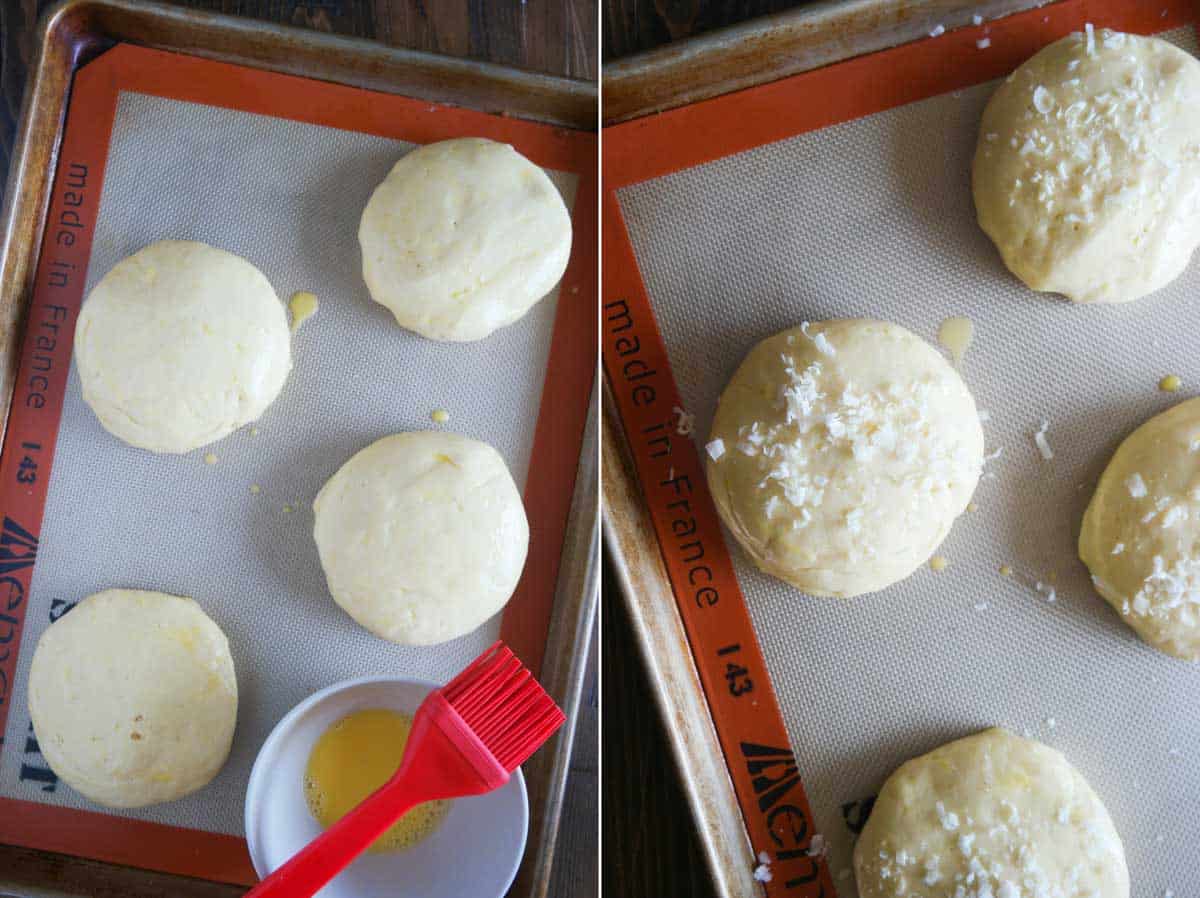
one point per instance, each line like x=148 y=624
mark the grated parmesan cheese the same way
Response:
x=938 y=31
x=1043 y=446
x=948 y=819
x=983 y=43
x=977 y=19
x=685 y=423
x=1091 y=38
x=1136 y=486
x=820 y=340
x=716 y=449
x=1043 y=100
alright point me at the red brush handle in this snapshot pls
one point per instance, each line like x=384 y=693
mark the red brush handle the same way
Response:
x=440 y=762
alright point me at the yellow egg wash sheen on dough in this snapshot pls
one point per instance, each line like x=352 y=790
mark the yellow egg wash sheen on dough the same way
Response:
x=303 y=305
x=352 y=759
x=956 y=335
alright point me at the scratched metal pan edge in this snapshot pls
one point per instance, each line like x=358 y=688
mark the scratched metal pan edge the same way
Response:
x=776 y=46
x=74 y=31
x=666 y=657
x=717 y=63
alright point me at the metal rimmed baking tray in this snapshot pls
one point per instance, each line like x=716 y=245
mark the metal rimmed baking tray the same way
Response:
x=76 y=34
x=723 y=182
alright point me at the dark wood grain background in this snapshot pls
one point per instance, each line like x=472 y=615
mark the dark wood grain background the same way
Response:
x=630 y=26
x=649 y=842
x=554 y=36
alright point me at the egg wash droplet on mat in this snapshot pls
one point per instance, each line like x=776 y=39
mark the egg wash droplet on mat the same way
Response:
x=303 y=305
x=352 y=759
x=956 y=335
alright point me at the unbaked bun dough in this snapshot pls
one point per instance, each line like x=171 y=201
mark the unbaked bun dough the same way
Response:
x=989 y=815
x=422 y=536
x=133 y=697
x=841 y=453
x=1141 y=531
x=179 y=345
x=462 y=238
x=1087 y=171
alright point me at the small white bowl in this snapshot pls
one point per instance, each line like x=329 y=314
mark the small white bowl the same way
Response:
x=475 y=850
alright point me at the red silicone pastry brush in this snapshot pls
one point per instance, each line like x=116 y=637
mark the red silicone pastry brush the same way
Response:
x=466 y=739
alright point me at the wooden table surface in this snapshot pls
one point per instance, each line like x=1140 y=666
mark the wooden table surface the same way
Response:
x=554 y=36
x=649 y=843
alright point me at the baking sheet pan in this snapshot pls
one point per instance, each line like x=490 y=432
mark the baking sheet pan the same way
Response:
x=848 y=210
x=292 y=214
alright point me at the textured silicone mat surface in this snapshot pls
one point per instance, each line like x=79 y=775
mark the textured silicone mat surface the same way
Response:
x=874 y=218
x=287 y=196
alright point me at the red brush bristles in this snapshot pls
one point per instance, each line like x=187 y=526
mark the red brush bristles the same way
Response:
x=506 y=708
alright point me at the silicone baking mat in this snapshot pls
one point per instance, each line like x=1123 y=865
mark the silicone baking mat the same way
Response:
x=846 y=192
x=275 y=169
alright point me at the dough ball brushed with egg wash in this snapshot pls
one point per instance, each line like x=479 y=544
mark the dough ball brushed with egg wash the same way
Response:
x=992 y=814
x=1087 y=169
x=841 y=452
x=422 y=536
x=133 y=697
x=1141 y=532
x=462 y=238
x=179 y=345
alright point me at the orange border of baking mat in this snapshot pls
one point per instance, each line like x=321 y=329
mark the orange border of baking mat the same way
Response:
x=724 y=646
x=46 y=353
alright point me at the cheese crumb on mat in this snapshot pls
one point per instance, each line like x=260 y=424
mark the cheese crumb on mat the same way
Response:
x=210 y=458
x=1170 y=384
x=817 y=847
x=1043 y=445
x=440 y=415
x=939 y=562
x=1006 y=570
x=255 y=489
x=685 y=423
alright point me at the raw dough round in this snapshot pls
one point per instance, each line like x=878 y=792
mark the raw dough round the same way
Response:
x=133 y=697
x=994 y=815
x=422 y=536
x=1141 y=531
x=179 y=345
x=1087 y=171
x=841 y=453
x=462 y=238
